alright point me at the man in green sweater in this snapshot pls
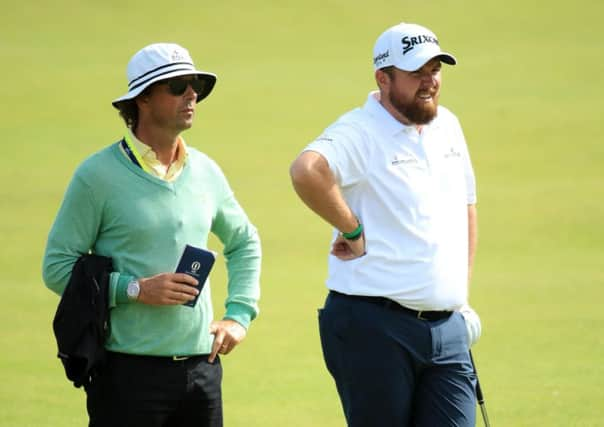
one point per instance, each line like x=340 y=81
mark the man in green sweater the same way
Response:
x=140 y=201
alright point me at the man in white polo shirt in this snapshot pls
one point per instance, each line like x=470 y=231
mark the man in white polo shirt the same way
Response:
x=395 y=180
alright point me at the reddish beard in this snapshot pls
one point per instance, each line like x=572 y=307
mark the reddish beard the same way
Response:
x=419 y=113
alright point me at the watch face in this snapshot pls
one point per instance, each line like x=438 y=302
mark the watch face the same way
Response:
x=133 y=290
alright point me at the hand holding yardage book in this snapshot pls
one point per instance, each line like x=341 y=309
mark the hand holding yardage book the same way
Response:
x=196 y=263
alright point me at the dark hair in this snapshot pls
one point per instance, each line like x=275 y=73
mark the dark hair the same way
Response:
x=129 y=110
x=388 y=70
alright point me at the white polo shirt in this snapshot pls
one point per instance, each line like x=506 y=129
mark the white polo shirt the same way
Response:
x=411 y=191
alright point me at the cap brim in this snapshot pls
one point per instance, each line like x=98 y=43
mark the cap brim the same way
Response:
x=419 y=61
x=210 y=79
x=447 y=58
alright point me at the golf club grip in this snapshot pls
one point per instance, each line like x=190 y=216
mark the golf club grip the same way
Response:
x=479 y=395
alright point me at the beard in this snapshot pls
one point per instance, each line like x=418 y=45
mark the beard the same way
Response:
x=419 y=113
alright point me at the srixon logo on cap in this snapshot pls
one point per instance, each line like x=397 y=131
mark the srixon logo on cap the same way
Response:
x=410 y=42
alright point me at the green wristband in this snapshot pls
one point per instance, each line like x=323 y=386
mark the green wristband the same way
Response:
x=355 y=234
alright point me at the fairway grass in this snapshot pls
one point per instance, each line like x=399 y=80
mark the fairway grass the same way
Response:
x=528 y=93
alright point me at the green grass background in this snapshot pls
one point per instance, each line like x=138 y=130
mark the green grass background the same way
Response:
x=528 y=90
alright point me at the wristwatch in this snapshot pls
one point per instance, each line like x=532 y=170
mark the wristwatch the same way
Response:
x=133 y=290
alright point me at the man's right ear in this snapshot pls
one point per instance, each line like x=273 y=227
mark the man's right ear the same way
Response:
x=142 y=100
x=381 y=78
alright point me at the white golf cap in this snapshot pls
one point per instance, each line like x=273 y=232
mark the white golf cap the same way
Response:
x=408 y=47
x=162 y=61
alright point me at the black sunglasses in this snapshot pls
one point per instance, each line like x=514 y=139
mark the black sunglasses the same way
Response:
x=178 y=86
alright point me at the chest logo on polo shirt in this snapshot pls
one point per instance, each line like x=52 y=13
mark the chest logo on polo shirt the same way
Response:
x=404 y=160
x=452 y=153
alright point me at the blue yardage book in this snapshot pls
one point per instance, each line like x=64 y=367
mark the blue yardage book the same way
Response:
x=196 y=263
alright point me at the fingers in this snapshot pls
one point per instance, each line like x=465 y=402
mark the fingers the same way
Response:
x=345 y=249
x=227 y=335
x=177 y=294
x=473 y=324
x=181 y=296
x=168 y=289
x=184 y=278
x=183 y=288
x=216 y=345
x=222 y=344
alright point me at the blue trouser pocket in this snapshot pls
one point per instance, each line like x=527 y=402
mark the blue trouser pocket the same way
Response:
x=449 y=337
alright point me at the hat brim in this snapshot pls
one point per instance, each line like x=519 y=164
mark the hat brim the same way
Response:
x=447 y=58
x=210 y=79
x=419 y=61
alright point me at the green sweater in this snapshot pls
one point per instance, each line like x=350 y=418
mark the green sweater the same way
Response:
x=114 y=208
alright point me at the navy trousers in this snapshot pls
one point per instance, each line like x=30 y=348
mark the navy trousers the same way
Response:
x=147 y=391
x=393 y=369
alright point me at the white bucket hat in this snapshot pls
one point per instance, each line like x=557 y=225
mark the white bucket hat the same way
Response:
x=408 y=47
x=161 y=61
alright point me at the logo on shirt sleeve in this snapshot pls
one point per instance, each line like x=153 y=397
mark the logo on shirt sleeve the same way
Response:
x=324 y=138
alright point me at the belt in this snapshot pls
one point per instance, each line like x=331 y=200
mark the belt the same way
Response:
x=430 y=315
x=151 y=358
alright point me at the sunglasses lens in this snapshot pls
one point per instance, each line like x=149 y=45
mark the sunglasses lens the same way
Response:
x=198 y=85
x=178 y=86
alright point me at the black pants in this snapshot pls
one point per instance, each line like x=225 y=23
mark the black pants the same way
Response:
x=152 y=391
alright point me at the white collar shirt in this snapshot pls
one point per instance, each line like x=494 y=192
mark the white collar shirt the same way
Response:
x=411 y=191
